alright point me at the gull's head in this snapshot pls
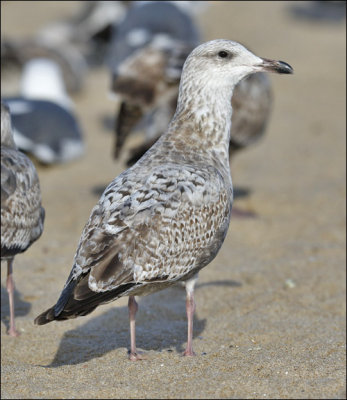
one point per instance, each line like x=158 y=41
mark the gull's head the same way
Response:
x=224 y=63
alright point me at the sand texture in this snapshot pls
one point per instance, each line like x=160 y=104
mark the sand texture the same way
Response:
x=270 y=317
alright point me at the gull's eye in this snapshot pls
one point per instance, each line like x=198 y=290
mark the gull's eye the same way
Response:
x=223 y=54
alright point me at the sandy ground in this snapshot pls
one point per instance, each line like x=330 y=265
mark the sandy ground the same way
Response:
x=270 y=319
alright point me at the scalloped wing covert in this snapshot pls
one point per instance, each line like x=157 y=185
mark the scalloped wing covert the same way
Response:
x=21 y=213
x=156 y=227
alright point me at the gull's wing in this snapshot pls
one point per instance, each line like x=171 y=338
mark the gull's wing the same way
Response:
x=146 y=228
x=21 y=213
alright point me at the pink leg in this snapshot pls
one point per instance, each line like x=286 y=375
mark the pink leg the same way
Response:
x=133 y=307
x=10 y=288
x=190 y=308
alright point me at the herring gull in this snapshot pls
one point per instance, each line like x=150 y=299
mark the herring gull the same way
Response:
x=22 y=216
x=165 y=218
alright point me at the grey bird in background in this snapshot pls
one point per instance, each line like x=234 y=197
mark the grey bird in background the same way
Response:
x=75 y=43
x=147 y=56
x=325 y=11
x=88 y=30
x=43 y=118
x=252 y=104
x=22 y=215
x=16 y=53
x=165 y=218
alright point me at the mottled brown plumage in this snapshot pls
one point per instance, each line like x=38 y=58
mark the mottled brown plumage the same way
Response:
x=251 y=104
x=143 y=84
x=147 y=53
x=149 y=108
x=21 y=213
x=164 y=219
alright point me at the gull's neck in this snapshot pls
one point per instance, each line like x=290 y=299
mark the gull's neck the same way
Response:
x=202 y=120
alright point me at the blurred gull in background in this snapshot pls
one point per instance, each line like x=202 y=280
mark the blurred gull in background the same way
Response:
x=75 y=43
x=320 y=11
x=88 y=31
x=146 y=57
x=15 y=54
x=252 y=104
x=43 y=119
x=42 y=79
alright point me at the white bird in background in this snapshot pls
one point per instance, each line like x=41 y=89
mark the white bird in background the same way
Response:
x=42 y=80
x=165 y=218
x=43 y=118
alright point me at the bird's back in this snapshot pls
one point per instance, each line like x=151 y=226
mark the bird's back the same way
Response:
x=21 y=213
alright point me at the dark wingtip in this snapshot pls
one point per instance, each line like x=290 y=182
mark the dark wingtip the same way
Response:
x=45 y=317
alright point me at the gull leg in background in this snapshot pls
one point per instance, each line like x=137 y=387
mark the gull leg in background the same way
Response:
x=10 y=289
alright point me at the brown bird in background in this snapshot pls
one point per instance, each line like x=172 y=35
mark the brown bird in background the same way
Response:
x=146 y=56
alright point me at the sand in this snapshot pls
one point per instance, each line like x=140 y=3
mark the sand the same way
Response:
x=270 y=318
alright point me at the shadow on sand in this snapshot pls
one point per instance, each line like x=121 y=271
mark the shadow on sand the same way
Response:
x=160 y=325
x=21 y=307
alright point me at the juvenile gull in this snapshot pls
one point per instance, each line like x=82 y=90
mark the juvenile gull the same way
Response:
x=21 y=213
x=165 y=218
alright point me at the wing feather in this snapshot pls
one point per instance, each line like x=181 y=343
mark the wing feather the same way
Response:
x=22 y=216
x=146 y=228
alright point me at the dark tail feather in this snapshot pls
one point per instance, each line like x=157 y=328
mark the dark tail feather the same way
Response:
x=53 y=313
x=68 y=306
x=128 y=116
x=45 y=317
